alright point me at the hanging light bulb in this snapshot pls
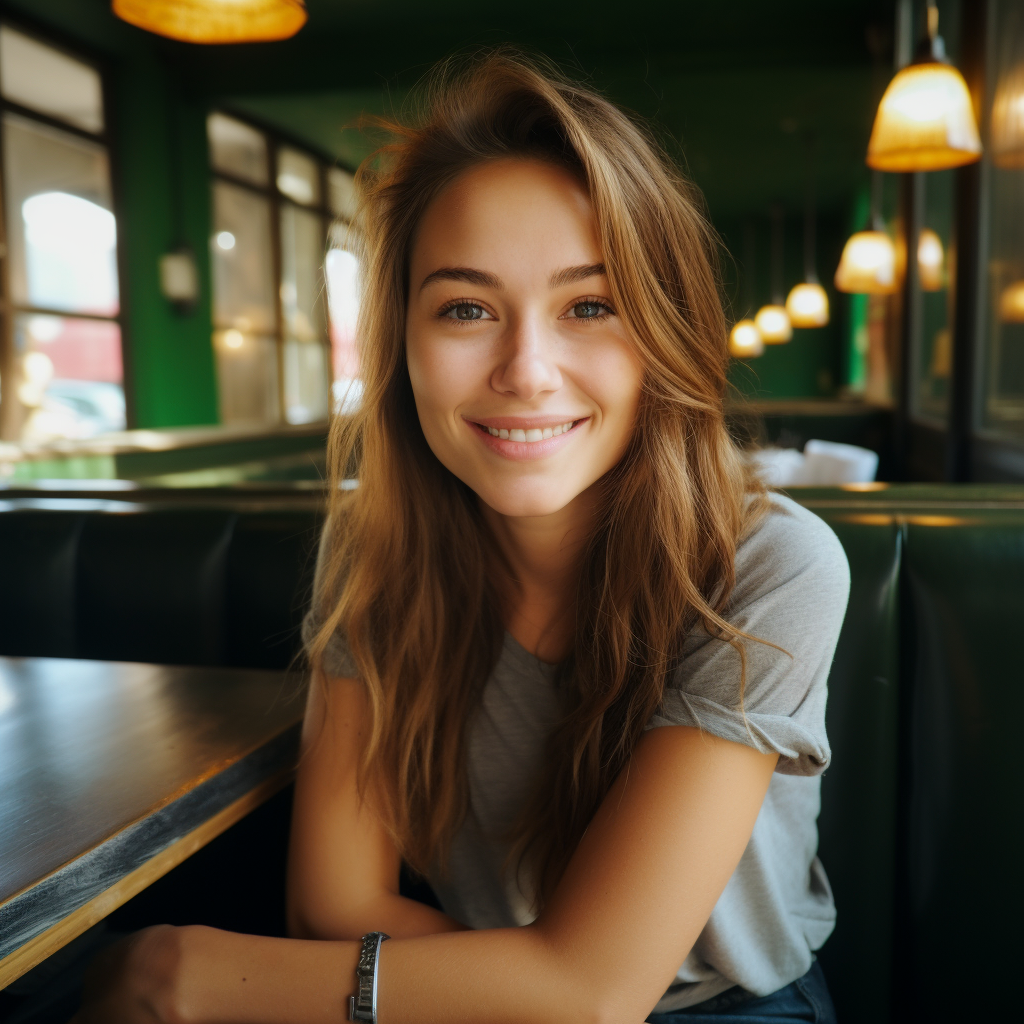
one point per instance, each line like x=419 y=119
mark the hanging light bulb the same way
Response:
x=745 y=341
x=807 y=305
x=773 y=320
x=930 y=259
x=1011 y=303
x=868 y=264
x=773 y=323
x=215 y=21
x=925 y=121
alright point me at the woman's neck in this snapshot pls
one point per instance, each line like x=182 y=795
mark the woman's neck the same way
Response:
x=538 y=588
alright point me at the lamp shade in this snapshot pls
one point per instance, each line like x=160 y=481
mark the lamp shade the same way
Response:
x=745 y=340
x=215 y=21
x=925 y=121
x=773 y=323
x=807 y=305
x=930 y=260
x=1011 y=303
x=868 y=264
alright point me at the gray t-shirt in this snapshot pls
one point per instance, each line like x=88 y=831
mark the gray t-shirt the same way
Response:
x=792 y=583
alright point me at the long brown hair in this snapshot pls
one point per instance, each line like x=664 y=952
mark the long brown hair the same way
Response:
x=406 y=577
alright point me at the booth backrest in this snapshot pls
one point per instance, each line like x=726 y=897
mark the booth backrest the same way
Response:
x=922 y=815
x=171 y=584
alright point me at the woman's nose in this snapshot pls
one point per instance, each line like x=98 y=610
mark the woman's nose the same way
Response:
x=528 y=365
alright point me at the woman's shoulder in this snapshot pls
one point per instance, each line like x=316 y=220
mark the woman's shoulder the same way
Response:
x=789 y=543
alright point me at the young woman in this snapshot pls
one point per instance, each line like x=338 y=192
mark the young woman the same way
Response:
x=569 y=658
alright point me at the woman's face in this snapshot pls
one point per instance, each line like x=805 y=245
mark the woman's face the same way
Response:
x=525 y=380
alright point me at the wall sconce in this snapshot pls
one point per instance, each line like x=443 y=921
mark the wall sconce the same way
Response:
x=214 y=21
x=179 y=279
x=1011 y=303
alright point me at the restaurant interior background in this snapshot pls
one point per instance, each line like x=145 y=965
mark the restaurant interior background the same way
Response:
x=177 y=255
x=178 y=301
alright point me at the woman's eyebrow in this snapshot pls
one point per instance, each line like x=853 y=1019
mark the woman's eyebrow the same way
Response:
x=571 y=275
x=468 y=274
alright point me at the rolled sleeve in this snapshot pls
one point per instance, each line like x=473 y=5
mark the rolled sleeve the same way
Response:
x=792 y=584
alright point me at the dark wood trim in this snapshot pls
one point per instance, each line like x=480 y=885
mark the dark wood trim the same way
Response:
x=971 y=234
x=911 y=215
x=28 y=114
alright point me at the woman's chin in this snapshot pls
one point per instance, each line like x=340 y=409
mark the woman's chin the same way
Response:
x=528 y=502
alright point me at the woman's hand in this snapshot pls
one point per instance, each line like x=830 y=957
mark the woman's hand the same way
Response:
x=140 y=980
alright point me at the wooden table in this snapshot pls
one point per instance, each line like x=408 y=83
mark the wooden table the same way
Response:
x=113 y=773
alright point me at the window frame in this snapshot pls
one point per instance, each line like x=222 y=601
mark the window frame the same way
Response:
x=275 y=141
x=9 y=309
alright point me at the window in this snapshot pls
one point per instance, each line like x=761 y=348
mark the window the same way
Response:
x=1001 y=409
x=276 y=253
x=62 y=372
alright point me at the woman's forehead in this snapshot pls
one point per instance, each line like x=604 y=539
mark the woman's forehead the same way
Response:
x=514 y=214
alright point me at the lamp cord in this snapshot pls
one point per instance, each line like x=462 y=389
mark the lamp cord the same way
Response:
x=778 y=255
x=810 y=272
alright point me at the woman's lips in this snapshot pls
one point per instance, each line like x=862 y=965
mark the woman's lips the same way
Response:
x=515 y=444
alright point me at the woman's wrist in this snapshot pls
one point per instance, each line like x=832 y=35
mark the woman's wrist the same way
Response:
x=229 y=978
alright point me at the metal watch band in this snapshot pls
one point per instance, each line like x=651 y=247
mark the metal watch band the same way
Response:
x=363 y=1006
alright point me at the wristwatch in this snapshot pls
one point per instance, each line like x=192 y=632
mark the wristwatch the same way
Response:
x=363 y=1006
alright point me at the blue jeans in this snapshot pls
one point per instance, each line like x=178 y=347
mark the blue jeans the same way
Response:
x=805 y=1001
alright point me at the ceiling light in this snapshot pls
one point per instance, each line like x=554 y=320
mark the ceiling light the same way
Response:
x=773 y=323
x=868 y=264
x=925 y=121
x=930 y=259
x=807 y=305
x=745 y=341
x=215 y=21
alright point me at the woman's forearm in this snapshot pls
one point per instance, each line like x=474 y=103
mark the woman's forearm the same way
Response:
x=481 y=977
x=396 y=915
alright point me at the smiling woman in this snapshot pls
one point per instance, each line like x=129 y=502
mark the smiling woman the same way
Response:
x=563 y=642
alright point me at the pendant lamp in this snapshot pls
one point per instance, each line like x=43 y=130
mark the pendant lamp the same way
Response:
x=215 y=21
x=868 y=263
x=930 y=260
x=925 y=121
x=745 y=340
x=807 y=303
x=772 y=320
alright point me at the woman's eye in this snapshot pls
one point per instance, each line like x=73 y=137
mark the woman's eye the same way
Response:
x=465 y=311
x=588 y=310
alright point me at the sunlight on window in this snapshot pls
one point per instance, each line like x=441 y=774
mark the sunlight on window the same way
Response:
x=70 y=253
x=342 y=271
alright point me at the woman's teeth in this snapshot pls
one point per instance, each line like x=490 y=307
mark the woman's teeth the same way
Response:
x=535 y=434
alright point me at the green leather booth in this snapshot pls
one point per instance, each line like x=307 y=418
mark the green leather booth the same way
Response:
x=922 y=814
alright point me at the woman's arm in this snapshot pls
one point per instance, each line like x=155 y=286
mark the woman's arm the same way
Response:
x=634 y=898
x=342 y=865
